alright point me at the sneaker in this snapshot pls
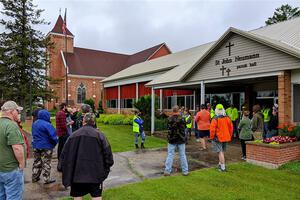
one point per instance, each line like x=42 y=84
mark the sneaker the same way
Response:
x=51 y=180
x=244 y=158
x=167 y=174
x=185 y=174
x=222 y=170
x=218 y=167
x=35 y=180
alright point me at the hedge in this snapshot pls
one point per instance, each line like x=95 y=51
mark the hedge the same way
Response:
x=115 y=119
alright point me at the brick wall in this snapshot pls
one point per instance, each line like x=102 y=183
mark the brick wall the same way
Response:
x=56 y=69
x=93 y=89
x=284 y=97
x=273 y=155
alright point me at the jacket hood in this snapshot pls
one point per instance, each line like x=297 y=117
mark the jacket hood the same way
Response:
x=44 y=115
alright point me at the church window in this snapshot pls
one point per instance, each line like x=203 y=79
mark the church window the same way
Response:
x=81 y=93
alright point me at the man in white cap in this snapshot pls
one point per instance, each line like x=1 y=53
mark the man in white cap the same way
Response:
x=12 y=148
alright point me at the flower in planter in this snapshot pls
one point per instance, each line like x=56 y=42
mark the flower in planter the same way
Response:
x=289 y=130
x=280 y=139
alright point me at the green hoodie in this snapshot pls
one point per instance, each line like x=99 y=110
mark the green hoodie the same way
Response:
x=245 y=126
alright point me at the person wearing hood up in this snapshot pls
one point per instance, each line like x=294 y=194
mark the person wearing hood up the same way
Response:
x=44 y=139
x=221 y=130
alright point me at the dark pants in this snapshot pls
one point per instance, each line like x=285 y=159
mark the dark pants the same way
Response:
x=235 y=129
x=42 y=162
x=243 y=144
x=61 y=143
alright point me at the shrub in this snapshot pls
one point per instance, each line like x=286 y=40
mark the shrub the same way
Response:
x=161 y=124
x=289 y=130
x=144 y=106
x=100 y=107
x=91 y=102
x=115 y=119
x=53 y=112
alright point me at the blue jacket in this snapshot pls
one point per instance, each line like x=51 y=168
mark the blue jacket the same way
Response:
x=140 y=122
x=43 y=133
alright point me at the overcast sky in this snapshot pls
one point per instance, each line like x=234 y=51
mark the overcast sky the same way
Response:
x=128 y=26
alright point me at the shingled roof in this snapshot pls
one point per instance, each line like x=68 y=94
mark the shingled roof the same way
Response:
x=90 y=62
x=58 y=27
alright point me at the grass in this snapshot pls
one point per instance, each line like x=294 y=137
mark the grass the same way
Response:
x=121 y=138
x=293 y=167
x=243 y=181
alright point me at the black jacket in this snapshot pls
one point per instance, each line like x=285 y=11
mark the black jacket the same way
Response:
x=86 y=157
x=273 y=123
x=176 y=126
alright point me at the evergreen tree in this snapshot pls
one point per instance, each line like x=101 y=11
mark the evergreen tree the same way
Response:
x=23 y=56
x=285 y=12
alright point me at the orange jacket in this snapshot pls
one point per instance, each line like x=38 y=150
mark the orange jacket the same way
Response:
x=203 y=120
x=222 y=127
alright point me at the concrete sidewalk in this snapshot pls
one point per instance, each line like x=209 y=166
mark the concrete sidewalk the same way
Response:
x=129 y=167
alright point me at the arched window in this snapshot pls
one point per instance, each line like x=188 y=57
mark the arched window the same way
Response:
x=81 y=92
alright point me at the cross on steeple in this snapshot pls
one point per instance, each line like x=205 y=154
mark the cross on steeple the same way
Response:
x=223 y=69
x=229 y=48
x=228 y=71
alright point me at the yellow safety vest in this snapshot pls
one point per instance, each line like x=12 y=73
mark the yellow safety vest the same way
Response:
x=135 y=126
x=232 y=113
x=189 y=125
x=266 y=114
x=212 y=113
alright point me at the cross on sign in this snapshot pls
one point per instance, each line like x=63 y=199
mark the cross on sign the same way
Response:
x=228 y=71
x=229 y=48
x=223 y=69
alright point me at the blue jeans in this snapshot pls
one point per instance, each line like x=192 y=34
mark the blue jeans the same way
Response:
x=11 y=185
x=136 y=137
x=182 y=157
x=266 y=129
x=271 y=133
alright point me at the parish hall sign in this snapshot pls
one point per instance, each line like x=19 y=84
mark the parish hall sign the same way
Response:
x=236 y=60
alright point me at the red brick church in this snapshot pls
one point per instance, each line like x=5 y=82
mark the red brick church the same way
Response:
x=86 y=68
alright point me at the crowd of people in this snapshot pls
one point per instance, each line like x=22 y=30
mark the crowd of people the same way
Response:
x=218 y=126
x=84 y=154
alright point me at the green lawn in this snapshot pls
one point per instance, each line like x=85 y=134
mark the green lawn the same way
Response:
x=243 y=181
x=121 y=138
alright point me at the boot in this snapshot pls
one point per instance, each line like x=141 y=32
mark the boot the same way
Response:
x=136 y=146
x=142 y=146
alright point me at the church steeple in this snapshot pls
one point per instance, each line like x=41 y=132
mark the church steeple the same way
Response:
x=58 y=27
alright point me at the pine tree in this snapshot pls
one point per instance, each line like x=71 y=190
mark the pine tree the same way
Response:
x=23 y=56
x=285 y=12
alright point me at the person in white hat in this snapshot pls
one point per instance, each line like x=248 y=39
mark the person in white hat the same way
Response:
x=12 y=148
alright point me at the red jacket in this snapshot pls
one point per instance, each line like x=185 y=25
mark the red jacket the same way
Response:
x=222 y=128
x=61 y=123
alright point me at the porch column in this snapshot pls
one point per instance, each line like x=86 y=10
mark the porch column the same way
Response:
x=284 y=97
x=136 y=91
x=160 y=99
x=194 y=100
x=202 y=94
x=152 y=110
x=119 y=99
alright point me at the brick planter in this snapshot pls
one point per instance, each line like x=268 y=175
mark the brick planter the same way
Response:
x=272 y=156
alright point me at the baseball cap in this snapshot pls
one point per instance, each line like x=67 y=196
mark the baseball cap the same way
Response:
x=219 y=107
x=11 y=105
x=86 y=108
